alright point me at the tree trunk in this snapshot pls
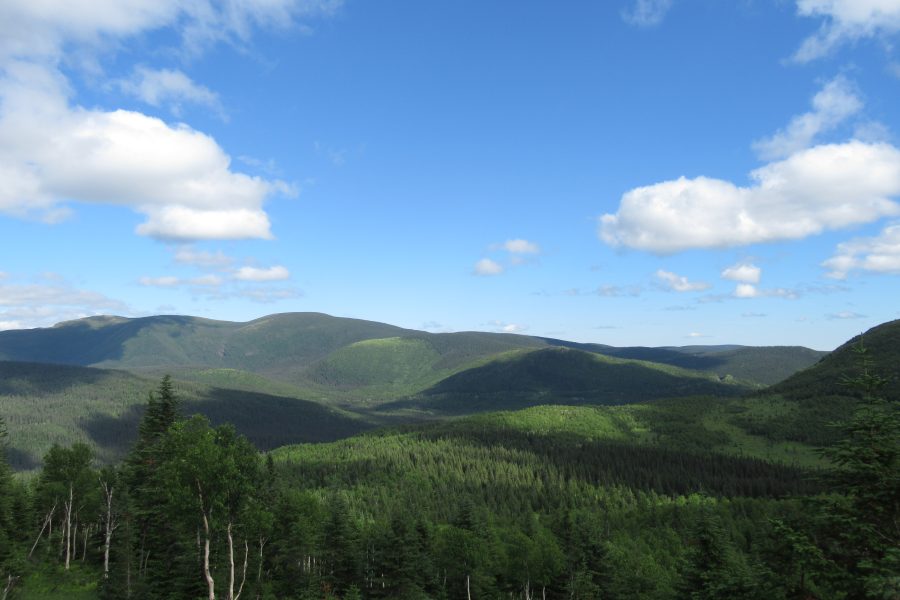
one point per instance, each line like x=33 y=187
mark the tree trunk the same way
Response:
x=108 y=530
x=68 y=529
x=47 y=520
x=468 y=589
x=210 y=584
x=244 y=573
x=11 y=581
x=230 y=561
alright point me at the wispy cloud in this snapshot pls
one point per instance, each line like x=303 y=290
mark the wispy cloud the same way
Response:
x=679 y=283
x=831 y=106
x=646 y=13
x=846 y=21
x=274 y=273
x=171 y=88
x=44 y=303
x=846 y=314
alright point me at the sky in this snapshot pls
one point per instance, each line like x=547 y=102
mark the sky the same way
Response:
x=627 y=172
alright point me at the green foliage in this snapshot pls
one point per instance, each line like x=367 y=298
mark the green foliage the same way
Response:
x=826 y=378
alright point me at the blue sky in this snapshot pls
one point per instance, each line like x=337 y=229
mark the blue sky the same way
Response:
x=655 y=172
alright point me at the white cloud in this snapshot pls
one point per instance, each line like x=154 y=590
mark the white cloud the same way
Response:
x=179 y=178
x=616 y=291
x=42 y=28
x=679 y=283
x=24 y=305
x=746 y=290
x=520 y=246
x=695 y=334
x=199 y=258
x=846 y=21
x=164 y=281
x=274 y=273
x=831 y=106
x=171 y=88
x=504 y=327
x=646 y=13
x=54 y=152
x=487 y=267
x=879 y=254
x=846 y=314
x=823 y=188
x=894 y=69
x=207 y=280
x=744 y=272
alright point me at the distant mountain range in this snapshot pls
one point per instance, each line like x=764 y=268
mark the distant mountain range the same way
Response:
x=312 y=377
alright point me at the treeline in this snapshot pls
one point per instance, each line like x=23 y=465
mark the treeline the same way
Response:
x=457 y=512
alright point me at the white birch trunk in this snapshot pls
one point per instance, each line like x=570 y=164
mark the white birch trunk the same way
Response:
x=210 y=584
x=68 y=529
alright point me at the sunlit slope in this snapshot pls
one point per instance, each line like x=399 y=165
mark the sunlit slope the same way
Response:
x=514 y=457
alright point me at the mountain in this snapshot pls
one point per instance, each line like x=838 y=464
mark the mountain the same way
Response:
x=296 y=377
x=825 y=378
x=331 y=352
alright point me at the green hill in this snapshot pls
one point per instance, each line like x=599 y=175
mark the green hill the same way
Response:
x=825 y=378
x=298 y=348
x=46 y=404
x=561 y=376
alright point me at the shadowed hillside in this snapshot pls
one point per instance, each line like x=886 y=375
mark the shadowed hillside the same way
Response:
x=561 y=376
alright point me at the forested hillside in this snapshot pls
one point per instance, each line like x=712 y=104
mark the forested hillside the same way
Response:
x=827 y=378
x=299 y=377
x=651 y=500
x=58 y=404
x=313 y=348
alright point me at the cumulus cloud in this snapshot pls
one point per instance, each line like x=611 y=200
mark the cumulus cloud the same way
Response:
x=743 y=272
x=846 y=21
x=830 y=107
x=171 y=88
x=54 y=153
x=646 y=13
x=821 y=188
x=274 y=273
x=487 y=267
x=879 y=254
x=680 y=283
x=746 y=290
x=179 y=178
